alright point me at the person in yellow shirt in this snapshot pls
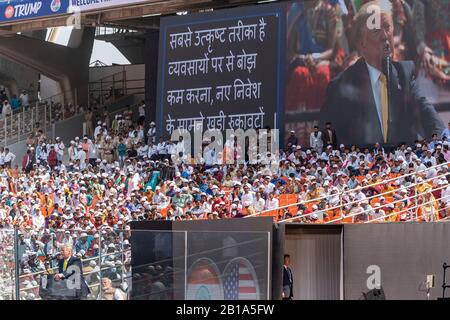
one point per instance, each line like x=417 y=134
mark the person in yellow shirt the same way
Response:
x=387 y=187
x=429 y=208
x=422 y=186
x=314 y=193
x=391 y=213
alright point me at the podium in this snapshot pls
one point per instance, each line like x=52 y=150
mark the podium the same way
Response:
x=51 y=289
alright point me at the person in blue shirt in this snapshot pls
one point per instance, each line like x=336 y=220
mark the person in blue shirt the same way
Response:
x=352 y=183
x=432 y=145
x=197 y=196
x=277 y=179
x=16 y=103
x=209 y=191
x=171 y=191
x=185 y=174
x=446 y=132
x=131 y=207
x=204 y=184
x=84 y=242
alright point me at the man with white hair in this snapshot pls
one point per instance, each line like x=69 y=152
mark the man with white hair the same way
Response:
x=109 y=292
x=361 y=91
x=70 y=268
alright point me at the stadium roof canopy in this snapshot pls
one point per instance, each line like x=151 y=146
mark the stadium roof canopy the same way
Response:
x=132 y=15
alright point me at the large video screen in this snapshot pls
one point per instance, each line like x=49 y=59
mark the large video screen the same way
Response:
x=336 y=54
x=222 y=70
x=297 y=65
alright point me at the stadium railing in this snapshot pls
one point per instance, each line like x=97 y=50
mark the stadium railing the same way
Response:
x=413 y=210
x=114 y=265
x=42 y=114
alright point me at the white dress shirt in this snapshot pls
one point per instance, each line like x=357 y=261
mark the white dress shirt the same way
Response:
x=374 y=75
x=272 y=204
x=247 y=199
x=260 y=204
x=10 y=157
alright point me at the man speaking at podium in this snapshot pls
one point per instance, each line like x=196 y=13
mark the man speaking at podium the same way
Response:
x=377 y=99
x=70 y=269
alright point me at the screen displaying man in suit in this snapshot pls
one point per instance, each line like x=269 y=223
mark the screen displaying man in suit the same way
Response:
x=288 y=279
x=70 y=269
x=377 y=99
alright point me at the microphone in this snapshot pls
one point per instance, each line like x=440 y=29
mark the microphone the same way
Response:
x=387 y=67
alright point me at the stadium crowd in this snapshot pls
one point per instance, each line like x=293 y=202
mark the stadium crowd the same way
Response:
x=86 y=194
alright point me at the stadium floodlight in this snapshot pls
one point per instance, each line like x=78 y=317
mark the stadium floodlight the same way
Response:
x=182 y=13
x=267 y=1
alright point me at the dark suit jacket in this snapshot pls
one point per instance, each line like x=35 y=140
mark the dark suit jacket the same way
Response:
x=350 y=105
x=326 y=137
x=73 y=261
x=288 y=281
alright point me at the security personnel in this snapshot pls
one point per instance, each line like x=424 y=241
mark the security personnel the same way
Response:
x=288 y=280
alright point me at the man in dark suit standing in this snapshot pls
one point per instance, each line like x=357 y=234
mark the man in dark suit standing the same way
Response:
x=288 y=280
x=70 y=269
x=329 y=136
x=376 y=99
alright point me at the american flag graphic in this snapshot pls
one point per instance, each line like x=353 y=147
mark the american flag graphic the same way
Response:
x=239 y=282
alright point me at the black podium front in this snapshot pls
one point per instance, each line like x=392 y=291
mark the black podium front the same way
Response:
x=202 y=260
